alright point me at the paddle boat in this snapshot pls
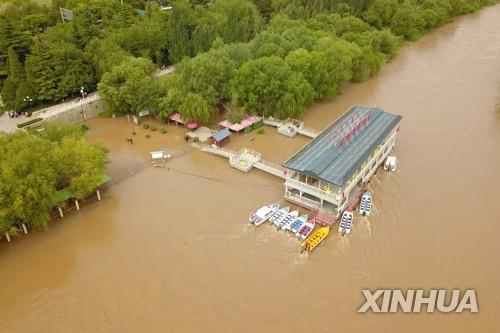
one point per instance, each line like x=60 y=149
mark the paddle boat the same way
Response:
x=295 y=226
x=263 y=214
x=315 y=239
x=346 y=222
x=365 y=205
x=306 y=229
x=288 y=219
x=280 y=215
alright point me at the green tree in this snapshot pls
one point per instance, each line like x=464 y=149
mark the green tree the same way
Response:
x=408 y=21
x=16 y=76
x=58 y=71
x=169 y=104
x=33 y=166
x=180 y=28
x=195 y=107
x=237 y=20
x=79 y=165
x=381 y=12
x=339 y=55
x=23 y=95
x=9 y=88
x=313 y=67
x=16 y=69
x=268 y=86
x=105 y=54
x=129 y=87
x=208 y=75
x=27 y=180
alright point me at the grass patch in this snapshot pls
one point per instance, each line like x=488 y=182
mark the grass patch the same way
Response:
x=147 y=136
x=163 y=130
x=110 y=113
x=153 y=129
x=145 y=126
x=260 y=131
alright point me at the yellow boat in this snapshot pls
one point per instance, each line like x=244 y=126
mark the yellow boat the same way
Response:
x=315 y=239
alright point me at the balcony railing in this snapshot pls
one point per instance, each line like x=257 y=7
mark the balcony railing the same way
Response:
x=302 y=200
x=312 y=190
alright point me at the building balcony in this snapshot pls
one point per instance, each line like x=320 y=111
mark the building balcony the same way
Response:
x=312 y=190
x=302 y=201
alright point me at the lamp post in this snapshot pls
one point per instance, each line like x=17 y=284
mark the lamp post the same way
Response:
x=83 y=92
x=28 y=100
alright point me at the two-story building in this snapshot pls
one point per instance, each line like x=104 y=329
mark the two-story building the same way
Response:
x=326 y=172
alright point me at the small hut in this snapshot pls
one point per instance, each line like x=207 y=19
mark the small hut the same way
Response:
x=177 y=119
x=220 y=138
x=158 y=158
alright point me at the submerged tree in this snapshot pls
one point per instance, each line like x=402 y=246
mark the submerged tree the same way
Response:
x=34 y=165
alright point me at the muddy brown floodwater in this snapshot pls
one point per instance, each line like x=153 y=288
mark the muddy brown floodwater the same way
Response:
x=171 y=251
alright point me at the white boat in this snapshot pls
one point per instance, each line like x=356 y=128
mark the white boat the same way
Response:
x=295 y=225
x=390 y=163
x=288 y=219
x=365 y=206
x=263 y=214
x=306 y=229
x=346 y=222
x=280 y=215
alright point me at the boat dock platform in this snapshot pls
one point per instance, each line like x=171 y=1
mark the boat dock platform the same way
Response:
x=245 y=160
x=291 y=128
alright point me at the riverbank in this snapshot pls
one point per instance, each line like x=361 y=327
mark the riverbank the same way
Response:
x=172 y=249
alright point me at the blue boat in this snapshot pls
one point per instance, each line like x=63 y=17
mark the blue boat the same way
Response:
x=279 y=216
x=346 y=222
x=295 y=226
x=288 y=219
x=365 y=206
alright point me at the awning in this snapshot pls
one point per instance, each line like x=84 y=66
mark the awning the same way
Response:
x=192 y=125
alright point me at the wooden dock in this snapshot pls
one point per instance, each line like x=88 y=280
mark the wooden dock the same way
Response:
x=291 y=128
x=245 y=160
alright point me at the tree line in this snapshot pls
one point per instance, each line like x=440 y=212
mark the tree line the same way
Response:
x=269 y=57
x=36 y=164
x=301 y=51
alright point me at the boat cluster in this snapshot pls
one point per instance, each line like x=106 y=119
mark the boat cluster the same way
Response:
x=365 y=207
x=302 y=227
x=283 y=219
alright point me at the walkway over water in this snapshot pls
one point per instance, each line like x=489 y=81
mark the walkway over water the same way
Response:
x=291 y=127
x=245 y=160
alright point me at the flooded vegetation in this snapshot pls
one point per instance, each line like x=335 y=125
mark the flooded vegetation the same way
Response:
x=171 y=249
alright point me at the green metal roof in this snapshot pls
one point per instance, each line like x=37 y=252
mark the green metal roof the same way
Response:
x=66 y=194
x=335 y=154
x=61 y=196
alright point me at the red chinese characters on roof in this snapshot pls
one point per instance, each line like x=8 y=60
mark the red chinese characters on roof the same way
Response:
x=349 y=128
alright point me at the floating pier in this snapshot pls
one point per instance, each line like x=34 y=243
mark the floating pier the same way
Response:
x=246 y=159
x=291 y=127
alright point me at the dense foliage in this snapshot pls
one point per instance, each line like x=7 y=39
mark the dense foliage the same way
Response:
x=296 y=50
x=34 y=165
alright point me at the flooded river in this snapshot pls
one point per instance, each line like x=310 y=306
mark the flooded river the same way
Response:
x=169 y=250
